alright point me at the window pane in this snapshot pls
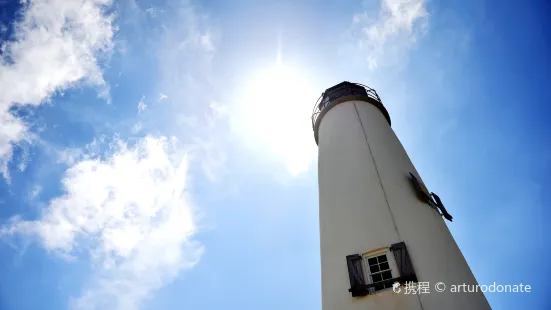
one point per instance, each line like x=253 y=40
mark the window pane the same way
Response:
x=372 y=261
x=387 y=275
x=384 y=266
x=374 y=268
x=382 y=258
x=376 y=278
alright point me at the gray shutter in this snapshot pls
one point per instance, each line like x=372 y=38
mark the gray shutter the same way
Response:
x=405 y=267
x=356 y=275
x=422 y=191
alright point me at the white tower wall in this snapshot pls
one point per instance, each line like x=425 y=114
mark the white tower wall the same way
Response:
x=367 y=202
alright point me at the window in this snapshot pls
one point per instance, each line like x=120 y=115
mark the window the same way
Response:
x=378 y=269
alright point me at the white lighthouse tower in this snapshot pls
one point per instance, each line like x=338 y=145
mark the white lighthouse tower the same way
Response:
x=378 y=223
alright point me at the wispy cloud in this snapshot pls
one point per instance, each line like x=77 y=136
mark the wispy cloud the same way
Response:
x=35 y=192
x=11 y=130
x=141 y=105
x=185 y=56
x=387 y=35
x=208 y=140
x=56 y=45
x=122 y=204
x=152 y=11
x=123 y=211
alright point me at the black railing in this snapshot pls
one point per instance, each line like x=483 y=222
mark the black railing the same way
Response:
x=341 y=90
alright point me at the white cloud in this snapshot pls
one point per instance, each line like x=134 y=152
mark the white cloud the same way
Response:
x=141 y=105
x=11 y=130
x=208 y=139
x=131 y=213
x=387 y=35
x=136 y=128
x=68 y=156
x=35 y=192
x=55 y=46
x=206 y=41
x=152 y=11
x=185 y=53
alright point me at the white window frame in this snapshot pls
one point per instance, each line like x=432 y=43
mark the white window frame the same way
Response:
x=391 y=264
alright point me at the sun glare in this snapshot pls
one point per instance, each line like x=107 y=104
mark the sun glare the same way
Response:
x=273 y=116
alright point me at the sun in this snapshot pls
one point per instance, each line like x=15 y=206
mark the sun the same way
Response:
x=273 y=115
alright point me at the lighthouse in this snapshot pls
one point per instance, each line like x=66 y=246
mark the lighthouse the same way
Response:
x=384 y=242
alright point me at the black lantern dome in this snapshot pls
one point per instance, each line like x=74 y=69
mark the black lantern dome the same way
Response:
x=342 y=92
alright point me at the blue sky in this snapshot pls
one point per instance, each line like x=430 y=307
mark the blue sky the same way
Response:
x=159 y=155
